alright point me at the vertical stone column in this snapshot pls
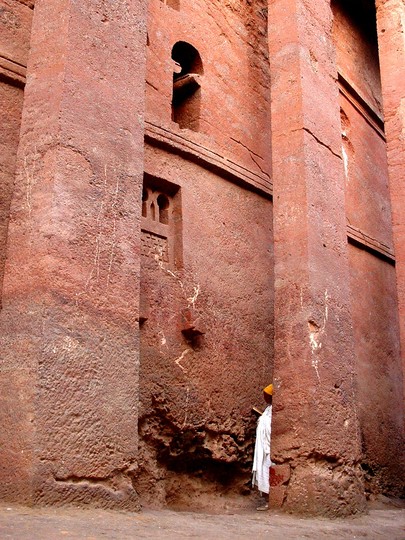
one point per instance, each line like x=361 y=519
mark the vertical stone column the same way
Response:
x=391 y=43
x=69 y=326
x=316 y=439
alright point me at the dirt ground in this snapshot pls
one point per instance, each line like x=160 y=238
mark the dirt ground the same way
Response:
x=19 y=523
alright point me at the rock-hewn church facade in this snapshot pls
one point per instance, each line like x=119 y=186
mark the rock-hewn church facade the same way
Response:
x=199 y=197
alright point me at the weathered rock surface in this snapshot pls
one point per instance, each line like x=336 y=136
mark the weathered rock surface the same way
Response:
x=155 y=279
x=69 y=324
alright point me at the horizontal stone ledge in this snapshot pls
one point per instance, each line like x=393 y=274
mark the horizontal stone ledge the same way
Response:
x=225 y=167
x=28 y=3
x=358 y=237
x=12 y=71
x=370 y=115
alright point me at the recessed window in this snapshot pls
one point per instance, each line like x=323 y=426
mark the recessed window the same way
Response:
x=161 y=222
x=186 y=100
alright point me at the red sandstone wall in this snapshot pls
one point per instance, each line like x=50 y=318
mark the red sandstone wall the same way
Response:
x=206 y=307
x=235 y=87
x=373 y=285
x=391 y=22
x=15 y=27
x=196 y=395
x=379 y=381
x=69 y=336
x=206 y=343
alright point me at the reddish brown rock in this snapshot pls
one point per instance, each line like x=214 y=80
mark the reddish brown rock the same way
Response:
x=195 y=418
x=15 y=27
x=149 y=259
x=280 y=474
x=17 y=410
x=279 y=477
x=206 y=274
x=374 y=302
x=315 y=422
x=69 y=334
x=390 y=21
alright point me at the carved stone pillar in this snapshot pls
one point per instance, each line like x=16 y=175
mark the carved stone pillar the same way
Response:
x=315 y=425
x=69 y=326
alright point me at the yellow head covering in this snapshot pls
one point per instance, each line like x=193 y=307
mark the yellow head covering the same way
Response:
x=268 y=390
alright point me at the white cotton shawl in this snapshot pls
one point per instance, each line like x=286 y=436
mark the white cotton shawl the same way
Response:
x=262 y=461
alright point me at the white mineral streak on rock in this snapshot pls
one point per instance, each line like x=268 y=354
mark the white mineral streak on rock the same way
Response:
x=316 y=333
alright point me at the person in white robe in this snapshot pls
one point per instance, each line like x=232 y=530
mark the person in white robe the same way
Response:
x=262 y=460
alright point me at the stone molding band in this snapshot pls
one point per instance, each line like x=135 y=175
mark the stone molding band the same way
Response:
x=359 y=237
x=370 y=115
x=161 y=137
x=12 y=70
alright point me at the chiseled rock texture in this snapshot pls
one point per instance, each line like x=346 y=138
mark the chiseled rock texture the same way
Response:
x=206 y=341
x=391 y=31
x=69 y=323
x=15 y=28
x=374 y=298
x=198 y=198
x=315 y=425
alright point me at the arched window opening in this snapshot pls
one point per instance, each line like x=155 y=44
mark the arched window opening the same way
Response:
x=163 y=204
x=186 y=101
x=162 y=225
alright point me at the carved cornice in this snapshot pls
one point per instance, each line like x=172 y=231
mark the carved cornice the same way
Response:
x=172 y=142
x=360 y=238
x=207 y=158
x=370 y=115
x=28 y=3
x=12 y=71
